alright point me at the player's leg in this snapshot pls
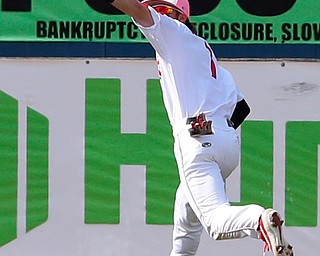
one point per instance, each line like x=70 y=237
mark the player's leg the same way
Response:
x=204 y=190
x=204 y=187
x=187 y=228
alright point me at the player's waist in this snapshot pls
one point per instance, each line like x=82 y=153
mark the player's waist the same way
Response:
x=217 y=123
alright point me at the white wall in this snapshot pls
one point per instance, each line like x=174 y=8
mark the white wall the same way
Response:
x=55 y=88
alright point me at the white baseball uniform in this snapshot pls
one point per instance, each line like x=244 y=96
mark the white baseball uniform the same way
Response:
x=192 y=83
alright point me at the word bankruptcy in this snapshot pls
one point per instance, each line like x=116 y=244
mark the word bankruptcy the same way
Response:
x=235 y=31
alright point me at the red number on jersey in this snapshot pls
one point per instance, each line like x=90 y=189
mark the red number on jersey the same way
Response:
x=213 y=65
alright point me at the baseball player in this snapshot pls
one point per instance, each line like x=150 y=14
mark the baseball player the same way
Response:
x=204 y=107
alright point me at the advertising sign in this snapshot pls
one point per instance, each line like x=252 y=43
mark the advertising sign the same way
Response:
x=87 y=165
x=218 y=21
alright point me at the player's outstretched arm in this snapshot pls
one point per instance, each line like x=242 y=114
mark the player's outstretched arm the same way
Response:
x=136 y=10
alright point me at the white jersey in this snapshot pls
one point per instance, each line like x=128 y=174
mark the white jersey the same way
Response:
x=191 y=79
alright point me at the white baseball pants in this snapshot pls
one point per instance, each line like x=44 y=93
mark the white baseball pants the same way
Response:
x=201 y=202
